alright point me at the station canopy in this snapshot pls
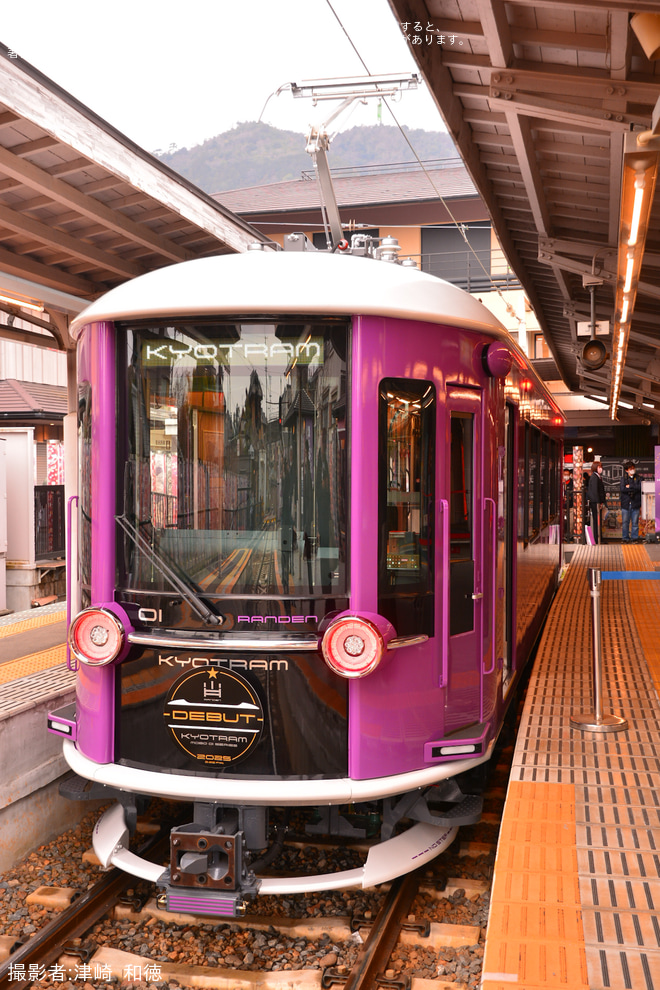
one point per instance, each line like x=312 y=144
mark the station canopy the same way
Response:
x=543 y=100
x=83 y=208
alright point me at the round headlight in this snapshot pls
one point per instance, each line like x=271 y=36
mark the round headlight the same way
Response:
x=96 y=637
x=353 y=646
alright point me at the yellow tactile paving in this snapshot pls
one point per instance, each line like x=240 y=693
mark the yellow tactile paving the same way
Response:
x=44 y=619
x=575 y=895
x=539 y=888
x=535 y=965
x=535 y=935
x=12 y=670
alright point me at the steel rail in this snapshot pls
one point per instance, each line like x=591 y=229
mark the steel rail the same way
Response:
x=382 y=938
x=45 y=946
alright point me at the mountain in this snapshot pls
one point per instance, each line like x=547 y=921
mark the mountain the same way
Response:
x=253 y=154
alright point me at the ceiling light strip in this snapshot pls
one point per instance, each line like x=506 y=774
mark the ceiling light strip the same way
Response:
x=640 y=167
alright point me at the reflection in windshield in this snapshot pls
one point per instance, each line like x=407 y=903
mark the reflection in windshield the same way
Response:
x=235 y=466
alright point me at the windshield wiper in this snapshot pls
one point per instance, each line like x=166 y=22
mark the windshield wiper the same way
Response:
x=187 y=593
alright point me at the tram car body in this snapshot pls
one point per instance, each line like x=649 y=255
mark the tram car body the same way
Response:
x=318 y=530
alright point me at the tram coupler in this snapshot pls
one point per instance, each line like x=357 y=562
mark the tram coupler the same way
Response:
x=207 y=873
x=200 y=858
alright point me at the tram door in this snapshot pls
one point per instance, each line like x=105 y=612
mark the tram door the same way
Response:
x=509 y=545
x=466 y=584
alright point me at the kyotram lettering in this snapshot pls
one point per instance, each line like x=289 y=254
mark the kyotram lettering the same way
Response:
x=228 y=663
x=171 y=351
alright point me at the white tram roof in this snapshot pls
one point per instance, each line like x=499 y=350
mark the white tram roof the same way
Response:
x=308 y=282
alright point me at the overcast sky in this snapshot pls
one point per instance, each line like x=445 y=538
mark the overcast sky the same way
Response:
x=168 y=73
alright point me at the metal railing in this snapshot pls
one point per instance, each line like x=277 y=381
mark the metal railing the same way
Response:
x=463 y=269
x=348 y=171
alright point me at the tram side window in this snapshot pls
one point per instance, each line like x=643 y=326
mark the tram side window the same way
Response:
x=554 y=458
x=527 y=485
x=523 y=455
x=545 y=481
x=406 y=500
x=533 y=447
x=461 y=523
x=460 y=509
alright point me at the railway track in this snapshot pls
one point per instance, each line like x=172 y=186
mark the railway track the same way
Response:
x=66 y=947
x=46 y=945
x=370 y=947
x=425 y=931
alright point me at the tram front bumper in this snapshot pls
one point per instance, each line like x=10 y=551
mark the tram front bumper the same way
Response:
x=385 y=861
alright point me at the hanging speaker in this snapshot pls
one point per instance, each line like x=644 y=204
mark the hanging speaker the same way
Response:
x=594 y=355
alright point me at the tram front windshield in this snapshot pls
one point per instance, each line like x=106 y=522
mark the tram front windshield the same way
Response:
x=234 y=466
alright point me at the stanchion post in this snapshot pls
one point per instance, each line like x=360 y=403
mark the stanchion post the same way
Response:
x=595 y=581
x=597 y=721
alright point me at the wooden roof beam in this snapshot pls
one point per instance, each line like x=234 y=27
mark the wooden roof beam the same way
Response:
x=134 y=198
x=62 y=192
x=454 y=58
x=23 y=266
x=594 y=190
x=573 y=86
x=563 y=110
x=497 y=33
x=74 y=246
x=501 y=141
x=27 y=336
x=620 y=40
x=570 y=40
x=7 y=118
x=583 y=248
x=592 y=5
x=597 y=153
x=550 y=169
x=99 y=185
x=523 y=143
x=474 y=116
x=38 y=100
x=468 y=30
x=32 y=147
x=501 y=161
x=616 y=177
x=68 y=168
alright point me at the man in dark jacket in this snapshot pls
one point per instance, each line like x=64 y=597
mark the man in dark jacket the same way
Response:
x=596 y=498
x=631 y=503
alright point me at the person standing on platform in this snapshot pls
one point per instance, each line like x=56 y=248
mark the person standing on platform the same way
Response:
x=631 y=503
x=596 y=498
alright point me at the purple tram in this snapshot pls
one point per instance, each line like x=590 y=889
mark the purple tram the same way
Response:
x=317 y=534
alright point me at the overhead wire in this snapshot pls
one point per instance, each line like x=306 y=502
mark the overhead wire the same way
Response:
x=457 y=224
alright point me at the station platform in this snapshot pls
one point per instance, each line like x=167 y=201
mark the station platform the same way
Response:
x=33 y=657
x=576 y=895
x=34 y=678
